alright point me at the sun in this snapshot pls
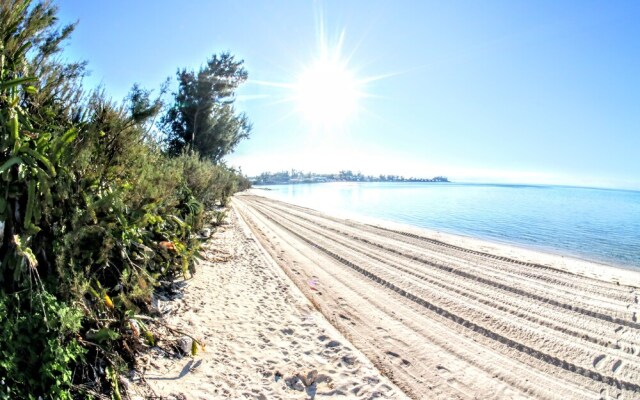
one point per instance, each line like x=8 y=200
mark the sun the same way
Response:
x=326 y=93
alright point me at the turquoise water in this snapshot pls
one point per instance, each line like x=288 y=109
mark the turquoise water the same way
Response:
x=596 y=224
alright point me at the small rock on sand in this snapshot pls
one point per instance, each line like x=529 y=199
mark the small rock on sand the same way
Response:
x=309 y=378
x=184 y=344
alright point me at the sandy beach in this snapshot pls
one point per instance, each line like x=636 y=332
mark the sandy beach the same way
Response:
x=263 y=339
x=369 y=311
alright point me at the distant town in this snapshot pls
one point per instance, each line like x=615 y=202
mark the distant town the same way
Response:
x=293 y=176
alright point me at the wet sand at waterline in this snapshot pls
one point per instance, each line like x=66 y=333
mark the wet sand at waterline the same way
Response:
x=370 y=310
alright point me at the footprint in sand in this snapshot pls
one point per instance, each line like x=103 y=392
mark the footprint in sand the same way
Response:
x=344 y=317
x=616 y=366
x=348 y=360
x=598 y=360
x=606 y=395
x=396 y=355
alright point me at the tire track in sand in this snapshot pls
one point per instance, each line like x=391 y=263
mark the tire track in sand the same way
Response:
x=600 y=379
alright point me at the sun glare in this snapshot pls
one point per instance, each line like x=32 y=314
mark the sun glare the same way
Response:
x=326 y=93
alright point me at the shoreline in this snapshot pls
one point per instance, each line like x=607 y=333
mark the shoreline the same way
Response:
x=292 y=303
x=562 y=261
x=542 y=252
x=446 y=316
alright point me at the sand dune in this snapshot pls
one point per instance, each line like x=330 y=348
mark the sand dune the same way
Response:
x=454 y=318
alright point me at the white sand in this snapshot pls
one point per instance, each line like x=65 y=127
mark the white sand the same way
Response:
x=441 y=316
x=260 y=333
x=611 y=273
x=452 y=317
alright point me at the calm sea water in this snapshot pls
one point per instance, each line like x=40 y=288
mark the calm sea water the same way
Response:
x=596 y=224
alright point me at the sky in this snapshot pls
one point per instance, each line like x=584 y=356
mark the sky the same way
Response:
x=492 y=91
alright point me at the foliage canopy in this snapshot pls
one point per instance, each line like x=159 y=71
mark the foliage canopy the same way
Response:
x=203 y=117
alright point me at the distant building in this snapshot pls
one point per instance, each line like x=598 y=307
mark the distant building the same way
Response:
x=296 y=177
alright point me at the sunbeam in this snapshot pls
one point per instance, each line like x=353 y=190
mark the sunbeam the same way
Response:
x=325 y=93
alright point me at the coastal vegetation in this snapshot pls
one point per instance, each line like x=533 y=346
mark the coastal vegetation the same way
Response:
x=293 y=176
x=99 y=205
x=202 y=116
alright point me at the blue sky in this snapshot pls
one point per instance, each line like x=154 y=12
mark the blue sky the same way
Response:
x=493 y=91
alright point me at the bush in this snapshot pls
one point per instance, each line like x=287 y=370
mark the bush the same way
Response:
x=94 y=216
x=28 y=361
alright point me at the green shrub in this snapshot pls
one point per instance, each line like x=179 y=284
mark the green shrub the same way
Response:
x=219 y=217
x=38 y=351
x=94 y=215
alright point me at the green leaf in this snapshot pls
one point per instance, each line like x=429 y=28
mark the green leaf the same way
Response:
x=44 y=160
x=10 y=162
x=15 y=82
x=14 y=127
x=22 y=50
x=102 y=335
x=31 y=195
x=61 y=142
x=45 y=186
x=151 y=340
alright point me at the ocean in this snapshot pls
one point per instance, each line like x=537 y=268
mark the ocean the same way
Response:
x=601 y=225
